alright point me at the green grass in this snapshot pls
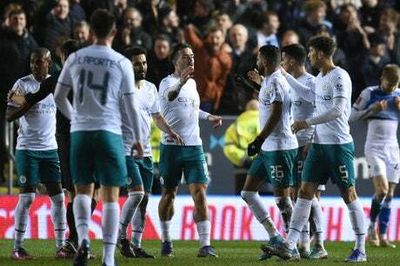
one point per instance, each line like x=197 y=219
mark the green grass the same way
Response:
x=231 y=253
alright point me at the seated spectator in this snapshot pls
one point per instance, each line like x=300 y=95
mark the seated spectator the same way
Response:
x=81 y=32
x=376 y=60
x=159 y=65
x=212 y=64
x=236 y=95
x=54 y=22
x=389 y=30
x=131 y=33
x=314 y=19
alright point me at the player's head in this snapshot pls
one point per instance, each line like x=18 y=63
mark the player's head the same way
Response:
x=320 y=48
x=182 y=56
x=293 y=55
x=40 y=63
x=102 y=24
x=390 y=77
x=69 y=47
x=268 y=58
x=137 y=56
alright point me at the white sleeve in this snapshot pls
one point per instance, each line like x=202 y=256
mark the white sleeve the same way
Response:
x=65 y=78
x=360 y=109
x=155 y=108
x=128 y=77
x=305 y=92
x=61 y=99
x=277 y=91
x=337 y=110
x=203 y=115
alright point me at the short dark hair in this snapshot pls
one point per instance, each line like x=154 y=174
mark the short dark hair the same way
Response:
x=134 y=51
x=297 y=52
x=16 y=11
x=102 y=23
x=162 y=37
x=271 y=53
x=177 y=48
x=70 y=46
x=324 y=44
x=41 y=51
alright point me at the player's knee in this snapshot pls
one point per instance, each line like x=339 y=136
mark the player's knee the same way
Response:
x=53 y=189
x=26 y=199
x=305 y=193
x=380 y=195
x=246 y=195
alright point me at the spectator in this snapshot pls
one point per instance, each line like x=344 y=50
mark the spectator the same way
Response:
x=151 y=11
x=223 y=21
x=169 y=25
x=54 y=22
x=132 y=33
x=16 y=46
x=213 y=65
x=81 y=32
x=76 y=11
x=267 y=29
x=290 y=37
x=389 y=30
x=314 y=19
x=371 y=68
x=237 y=137
x=369 y=15
x=202 y=15
x=159 y=64
x=236 y=95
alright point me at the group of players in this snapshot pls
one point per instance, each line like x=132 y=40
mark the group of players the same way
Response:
x=107 y=143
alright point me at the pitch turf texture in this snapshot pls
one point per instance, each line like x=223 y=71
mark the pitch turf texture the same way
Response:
x=230 y=253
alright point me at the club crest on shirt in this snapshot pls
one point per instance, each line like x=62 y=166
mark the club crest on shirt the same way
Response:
x=22 y=179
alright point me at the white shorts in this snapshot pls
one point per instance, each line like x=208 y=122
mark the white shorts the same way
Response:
x=383 y=160
x=321 y=188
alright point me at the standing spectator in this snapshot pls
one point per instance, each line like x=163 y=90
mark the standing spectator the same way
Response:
x=223 y=20
x=267 y=29
x=213 y=64
x=16 y=46
x=389 y=30
x=235 y=94
x=76 y=10
x=169 y=25
x=81 y=32
x=375 y=61
x=53 y=23
x=132 y=33
x=289 y=37
x=159 y=64
x=315 y=17
x=369 y=15
x=202 y=15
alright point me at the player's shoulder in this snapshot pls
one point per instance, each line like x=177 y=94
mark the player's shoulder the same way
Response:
x=397 y=92
x=340 y=73
x=150 y=86
x=167 y=80
x=26 y=79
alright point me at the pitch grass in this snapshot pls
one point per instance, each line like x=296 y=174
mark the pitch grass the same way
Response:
x=230 y=252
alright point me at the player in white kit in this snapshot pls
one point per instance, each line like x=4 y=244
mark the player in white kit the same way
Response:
x=140 y=171
x=380 y=106
x=293 y=61
x=276 y=145
x=179 y=104
x=101 y=79
x=36 y=156
x=332 y=150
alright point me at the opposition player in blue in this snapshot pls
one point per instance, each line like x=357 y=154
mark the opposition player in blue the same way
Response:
x=103 y=82
x=332 y=151
x=380 y=106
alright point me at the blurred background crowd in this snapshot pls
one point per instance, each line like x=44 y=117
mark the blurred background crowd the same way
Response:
x=225 y=35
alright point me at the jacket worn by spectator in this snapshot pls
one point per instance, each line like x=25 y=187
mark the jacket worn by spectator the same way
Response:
x=211 y=69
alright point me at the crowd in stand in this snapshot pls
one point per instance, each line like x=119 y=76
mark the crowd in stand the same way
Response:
x=225 y=35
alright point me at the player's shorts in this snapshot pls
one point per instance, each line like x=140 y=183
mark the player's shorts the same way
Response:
x=63 y=142
x=35 y=167
x=176 y=159
x=330 y=160
x=97 y=155
x=383 y=160
x=275 y=167
x=140 y=172
x=298 y=167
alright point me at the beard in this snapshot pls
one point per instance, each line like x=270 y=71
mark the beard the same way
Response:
x=140 y=76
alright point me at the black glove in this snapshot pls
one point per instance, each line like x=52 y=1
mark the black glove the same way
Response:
x=255 y=146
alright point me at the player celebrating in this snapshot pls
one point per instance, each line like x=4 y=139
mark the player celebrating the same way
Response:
x=332 y=150
x=140 y=171
x=101 y=79
x=380 y=105
x=179 y=103
x=276 y=145
x=36 y=156
x=293 y=61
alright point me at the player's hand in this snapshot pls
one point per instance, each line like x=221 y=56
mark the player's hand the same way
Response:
x=299 y=125
x=18 y=99
x=137 y=150
x=178 y=140
x=397 y=102
x=255 y=146
x=186 y=74
x=216 y=120
x=305 y=150
x=379 y=106
x=254 y=76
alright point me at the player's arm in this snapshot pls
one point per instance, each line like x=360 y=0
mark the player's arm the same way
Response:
x=214 y=119
x=361 y=110
x=173 y=92
x=304 y=91
x=15 y=107
x=163 y=125
x=13 y=112
x=62 y=102
x=46 y=87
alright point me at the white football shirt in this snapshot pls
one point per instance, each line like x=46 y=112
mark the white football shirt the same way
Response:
x=99 y=77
